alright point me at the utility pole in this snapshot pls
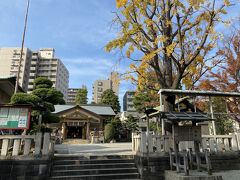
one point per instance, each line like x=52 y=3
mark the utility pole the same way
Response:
x=21 y=53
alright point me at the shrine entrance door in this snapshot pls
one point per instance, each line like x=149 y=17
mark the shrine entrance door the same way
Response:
x=74 y=132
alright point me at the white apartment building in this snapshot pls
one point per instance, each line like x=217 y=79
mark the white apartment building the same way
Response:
x=128 y=101
x=9 y=61
x=44 y=64
x=100 y=86
x=33 y=70
x=72 y=94
x=34 y=64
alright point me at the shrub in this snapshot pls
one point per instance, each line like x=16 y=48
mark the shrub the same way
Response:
x=109 y=132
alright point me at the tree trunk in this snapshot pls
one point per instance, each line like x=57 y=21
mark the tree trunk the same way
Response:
x=169 y=103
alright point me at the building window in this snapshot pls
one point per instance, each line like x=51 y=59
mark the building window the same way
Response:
x=100 y=89
x=100 y=83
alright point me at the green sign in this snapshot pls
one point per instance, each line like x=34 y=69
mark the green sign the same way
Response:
x=12 y=117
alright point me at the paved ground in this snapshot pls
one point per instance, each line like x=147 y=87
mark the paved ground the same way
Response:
x=94 y=149
x=230 y=175
x=227 y=175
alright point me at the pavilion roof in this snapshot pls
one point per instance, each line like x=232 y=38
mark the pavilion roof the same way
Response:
x=186 y=116
x=198 y=93
x=103 y=110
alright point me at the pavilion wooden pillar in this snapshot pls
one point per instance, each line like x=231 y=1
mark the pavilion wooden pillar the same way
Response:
x=162 y=125
x=212 y=116
x=88 y=130
x=64 y=130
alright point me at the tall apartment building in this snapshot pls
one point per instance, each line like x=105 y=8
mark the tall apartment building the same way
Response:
x=128 y=101
x=45 y=64
x=9 y=61
x=33 y=70
x=100 y=86
x=72 y=94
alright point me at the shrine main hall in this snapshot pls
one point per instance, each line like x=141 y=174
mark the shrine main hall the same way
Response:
x=77 y=121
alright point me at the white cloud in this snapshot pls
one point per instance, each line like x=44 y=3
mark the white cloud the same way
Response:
x=89 y=67
x=89 y=61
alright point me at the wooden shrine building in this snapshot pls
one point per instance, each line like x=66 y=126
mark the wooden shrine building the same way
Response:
x=77 y=121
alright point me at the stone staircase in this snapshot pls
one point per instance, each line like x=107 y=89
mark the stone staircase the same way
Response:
x=94 y=168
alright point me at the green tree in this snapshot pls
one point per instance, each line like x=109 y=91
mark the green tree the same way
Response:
x=130 y=126
x=173 y=37
x=109 y=98
x=153 y=126
x=49 y=96
x=131 y=123
x=118 y=126
x=24 y=98
x=224 y=123
x=42 y=82
x=143 y=100
x=81 y=97
x=43 y=98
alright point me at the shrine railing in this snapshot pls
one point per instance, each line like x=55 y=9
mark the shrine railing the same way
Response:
x=26 y=145
x=156 y=143
x=213 y=143
x=221 y=142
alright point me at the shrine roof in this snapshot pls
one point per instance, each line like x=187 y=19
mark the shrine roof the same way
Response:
x=197 y=93
x=104 y=110
x=187 y=116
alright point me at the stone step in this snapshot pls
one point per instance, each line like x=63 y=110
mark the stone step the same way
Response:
x=96 y=161
x=76 y=157
x=93 y=166
x=128 y=176
x=94 y=171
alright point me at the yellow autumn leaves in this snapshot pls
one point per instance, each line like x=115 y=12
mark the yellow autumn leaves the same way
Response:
x=194 y=3
x=121 y=3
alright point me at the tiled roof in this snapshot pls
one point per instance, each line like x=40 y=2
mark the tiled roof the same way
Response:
x=97 y=109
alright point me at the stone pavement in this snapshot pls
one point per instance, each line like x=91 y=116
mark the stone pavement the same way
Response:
x=229 y=175
x=94 y=149
x=226 y=175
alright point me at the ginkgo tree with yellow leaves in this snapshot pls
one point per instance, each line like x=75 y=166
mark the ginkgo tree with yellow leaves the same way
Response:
x=174 y=37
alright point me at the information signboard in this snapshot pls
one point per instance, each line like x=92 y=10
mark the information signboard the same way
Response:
x=187 y=133
x=14 y=117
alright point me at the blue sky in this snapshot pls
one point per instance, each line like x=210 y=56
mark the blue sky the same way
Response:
x=77 y=29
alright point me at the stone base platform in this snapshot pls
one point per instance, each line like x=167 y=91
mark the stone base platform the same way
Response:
x=194 y=175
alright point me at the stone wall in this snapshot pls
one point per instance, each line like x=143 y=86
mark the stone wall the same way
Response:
x=31 y=169
x=225 y=161
x=152 y=169
x=158 y=163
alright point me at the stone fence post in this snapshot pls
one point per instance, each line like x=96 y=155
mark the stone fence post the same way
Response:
x=46 y=144
x=143 y=142
x=38 y=143
x=238 y=140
